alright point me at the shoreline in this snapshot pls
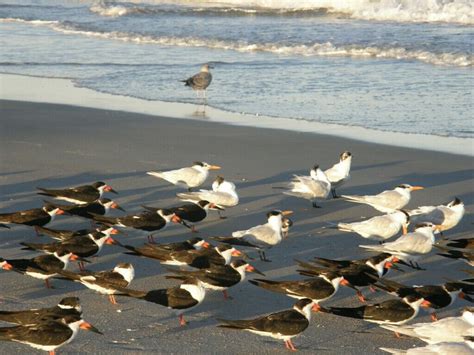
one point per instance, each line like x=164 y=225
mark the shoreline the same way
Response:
x=17 y=87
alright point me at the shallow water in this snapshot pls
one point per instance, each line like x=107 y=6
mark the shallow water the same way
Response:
x=389 y=65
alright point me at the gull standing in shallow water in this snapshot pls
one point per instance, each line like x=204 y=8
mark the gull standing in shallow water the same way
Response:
x=200 y=81
x=310 y=187
x=339 y=173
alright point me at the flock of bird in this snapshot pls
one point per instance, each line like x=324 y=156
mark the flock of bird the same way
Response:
x=199 y=266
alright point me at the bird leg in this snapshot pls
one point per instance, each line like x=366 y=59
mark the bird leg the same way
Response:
x=112 y=299
x=315 y=205
x=434 y=317
x=226 y=295
x=38 y=234
x=46 y=281
x=150 y=239
x=182 y=322
x=221 y=216
x=52 y=352
x=361 y=297
x=334 y=194
x=289 y=345
x=263 y=257
x=373 y=289
x=194 y=230
x=397 y=335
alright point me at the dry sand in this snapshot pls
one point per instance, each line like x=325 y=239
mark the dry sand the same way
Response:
x=58 y=146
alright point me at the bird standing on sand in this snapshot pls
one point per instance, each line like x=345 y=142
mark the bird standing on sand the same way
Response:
x=33 y=217
x=200 y=81
x=283 y=325
x=315 y=186
x=379 y=228
x=446 y=216
x=48 y=335
x=79 y=194
x=189 y=177
x=411 y=246
x=387 y=201
x=261 y=237
x=338 y=174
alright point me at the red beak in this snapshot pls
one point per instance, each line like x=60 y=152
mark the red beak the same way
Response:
x=60 y=211
x=236 y=253
x=175 y=219
x=344 y=282
x=426 y=304
x=7 y=266
x=114 y=231
x=73 y=257
x=110 y=240
x=206 y=245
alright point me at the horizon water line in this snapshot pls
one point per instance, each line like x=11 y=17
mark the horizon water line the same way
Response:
x=63 y=91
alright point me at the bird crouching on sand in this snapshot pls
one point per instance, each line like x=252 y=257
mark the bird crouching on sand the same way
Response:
x=386 y=201
x=80 y=194
x=283 y=325
x=188 y=177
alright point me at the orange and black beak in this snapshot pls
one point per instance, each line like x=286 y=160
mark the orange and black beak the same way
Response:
x=117 y=207
x=286 y=213
x=236 y=252
x=73 y=257
x=344 y=282
x=175 y=219
x=87 y=326
x=114 y=231
x=316 y=308
x=426 y=304
x=108 y=188
x=414 y=188
x=250 y=268
x=110 y=241
x=214 y=167
x=60 y=211
x=206 y=245
x=7 y=266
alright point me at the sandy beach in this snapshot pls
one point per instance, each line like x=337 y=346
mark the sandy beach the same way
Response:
x=56 y=146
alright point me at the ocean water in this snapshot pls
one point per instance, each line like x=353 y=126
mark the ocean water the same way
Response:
x=392 y=65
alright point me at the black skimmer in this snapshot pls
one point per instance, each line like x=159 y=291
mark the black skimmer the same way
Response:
x=283 y=325
x=339 y=173
x=192 y=212
x=82 y=246
x=438 y=296
x=199 y=259
x=466 y=256
x=223 y=194
x=190 y=177
x=219 y=277
x=395 y=312
x=146 y=221
x=318 y=289
x=357 y=273
x=313 y=187
x=64 y=234
x=411 y=246
x=180 y=298
x=461 y=243
x=41 y=267
x=387 y=201
x=100 y=207
x=379 y=228
x=261 y=237
x=67 y=306
x=104 y=282
x=48 y=335
x=149 y=250
x=450 y=329
x=80 y=194
x=32 y=217
x=446 y=216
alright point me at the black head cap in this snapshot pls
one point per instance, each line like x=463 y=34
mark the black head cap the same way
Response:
x=456 y=201
x=98 y=184
x=404 y=186
x=238 y=263
x=200 y=163
x=377 y=259
x=48 y=207
x=219 y=179
x=424 y=224
x=453 y=286
x=316 y=167
x=302 y=303
x=70 y=318
x=203 y=203
x=224 y=247
x=166 y=212
x=273 y=213
x=70 y=302
x=413 y=297
x=104 y=200
x=124 y=265
x=345 y=155
x=194 y=240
